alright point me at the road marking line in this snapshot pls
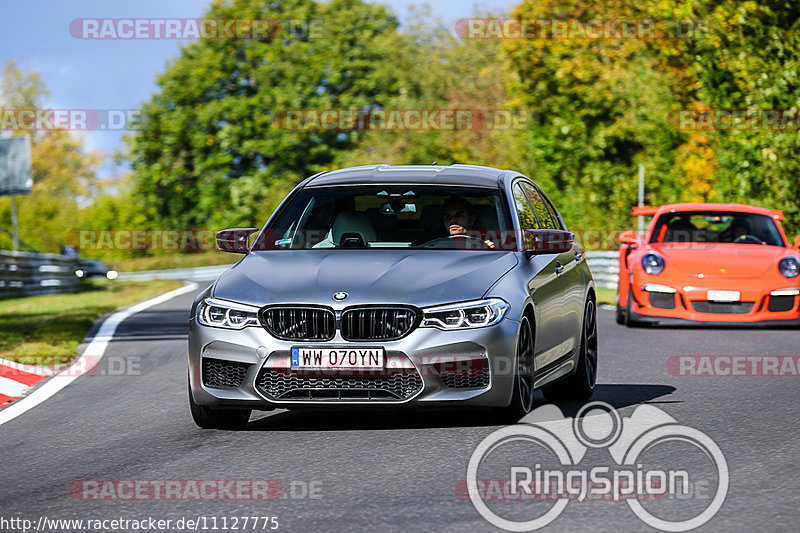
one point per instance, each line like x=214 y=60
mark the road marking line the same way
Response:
x=89 y=359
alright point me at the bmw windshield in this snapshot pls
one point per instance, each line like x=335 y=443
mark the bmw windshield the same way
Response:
x=392 y=216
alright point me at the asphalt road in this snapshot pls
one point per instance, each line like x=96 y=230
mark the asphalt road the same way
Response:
x=381 y=471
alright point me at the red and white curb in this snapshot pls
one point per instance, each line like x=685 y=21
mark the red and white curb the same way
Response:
x=17 y=379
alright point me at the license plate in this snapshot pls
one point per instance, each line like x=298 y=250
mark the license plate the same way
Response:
x=303 y=358
x=724 y=296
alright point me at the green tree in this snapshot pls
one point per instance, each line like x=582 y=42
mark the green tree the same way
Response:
x=601 y=108
x=210 y=148
x=434 y=70
x=63 y=173
x=749 y=59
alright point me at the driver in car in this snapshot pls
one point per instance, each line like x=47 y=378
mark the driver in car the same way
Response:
x=740 y=231
x=459 y=217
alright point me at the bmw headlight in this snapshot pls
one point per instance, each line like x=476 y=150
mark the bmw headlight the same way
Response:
x=789 y=266
x=466 y=315
x=229 y=315
x=652 y=263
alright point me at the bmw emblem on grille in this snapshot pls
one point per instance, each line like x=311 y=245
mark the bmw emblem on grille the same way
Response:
x=340 y=296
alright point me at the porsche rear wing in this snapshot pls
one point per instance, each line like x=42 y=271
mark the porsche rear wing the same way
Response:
x=647 y=211
x=637 y=211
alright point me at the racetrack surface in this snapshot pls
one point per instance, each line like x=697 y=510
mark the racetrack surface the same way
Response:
x=382 y=471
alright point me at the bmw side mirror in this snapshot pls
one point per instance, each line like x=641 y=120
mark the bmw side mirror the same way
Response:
x=234 y=240
x=548 y=241
x=629 y=237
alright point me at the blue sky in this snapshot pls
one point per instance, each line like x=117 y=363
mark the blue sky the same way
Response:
x=109 y=74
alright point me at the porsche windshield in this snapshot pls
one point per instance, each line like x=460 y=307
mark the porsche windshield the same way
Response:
x=717 y=227
x=392 y=216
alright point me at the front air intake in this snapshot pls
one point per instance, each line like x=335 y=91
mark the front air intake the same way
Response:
x=378 y=323
x=299 y=323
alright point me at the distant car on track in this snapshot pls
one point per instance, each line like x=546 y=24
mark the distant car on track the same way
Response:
x=90 y=268
x=710 y=263
x=397 y=285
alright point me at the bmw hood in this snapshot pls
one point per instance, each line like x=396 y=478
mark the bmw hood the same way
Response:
x=419 y=278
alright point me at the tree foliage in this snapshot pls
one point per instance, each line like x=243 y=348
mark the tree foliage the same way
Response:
x=64 y=175
x=607 y=105
x=211 y=149
x=210 y=146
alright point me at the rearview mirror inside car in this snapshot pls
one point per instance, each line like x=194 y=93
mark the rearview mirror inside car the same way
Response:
x=234 y=240
x=629 y=237
x=548 y=241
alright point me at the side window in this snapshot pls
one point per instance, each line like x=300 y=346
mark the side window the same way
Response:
x=556 y=218
x=543 y=215
x=527 y=218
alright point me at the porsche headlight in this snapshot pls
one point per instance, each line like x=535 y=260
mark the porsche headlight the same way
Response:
x=223 y=314
x=652 y=263
x=466 y=315
x=789 y=267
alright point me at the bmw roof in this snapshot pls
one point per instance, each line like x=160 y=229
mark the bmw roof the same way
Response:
x=470 y=175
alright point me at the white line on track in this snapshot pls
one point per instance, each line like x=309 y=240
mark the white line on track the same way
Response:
x=89 y=359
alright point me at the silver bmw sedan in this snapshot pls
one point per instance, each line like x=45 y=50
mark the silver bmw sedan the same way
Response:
x=397 y=286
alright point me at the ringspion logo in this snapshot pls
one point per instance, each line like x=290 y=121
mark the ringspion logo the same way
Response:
x=533 y=479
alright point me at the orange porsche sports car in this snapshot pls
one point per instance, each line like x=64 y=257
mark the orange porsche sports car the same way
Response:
x=710 y=263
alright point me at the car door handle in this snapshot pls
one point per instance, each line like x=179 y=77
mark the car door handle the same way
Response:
x=559 y=268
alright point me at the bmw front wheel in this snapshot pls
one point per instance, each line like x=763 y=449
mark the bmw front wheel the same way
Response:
x=580 y=385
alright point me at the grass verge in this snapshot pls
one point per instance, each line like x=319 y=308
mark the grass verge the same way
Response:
x=606 y=296
x=47 y=329
x=167 y=261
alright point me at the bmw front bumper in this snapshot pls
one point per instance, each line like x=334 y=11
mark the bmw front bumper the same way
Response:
x=250 y=369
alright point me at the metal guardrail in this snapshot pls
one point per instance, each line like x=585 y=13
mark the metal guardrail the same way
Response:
x=604 y=267
x=25 y=273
